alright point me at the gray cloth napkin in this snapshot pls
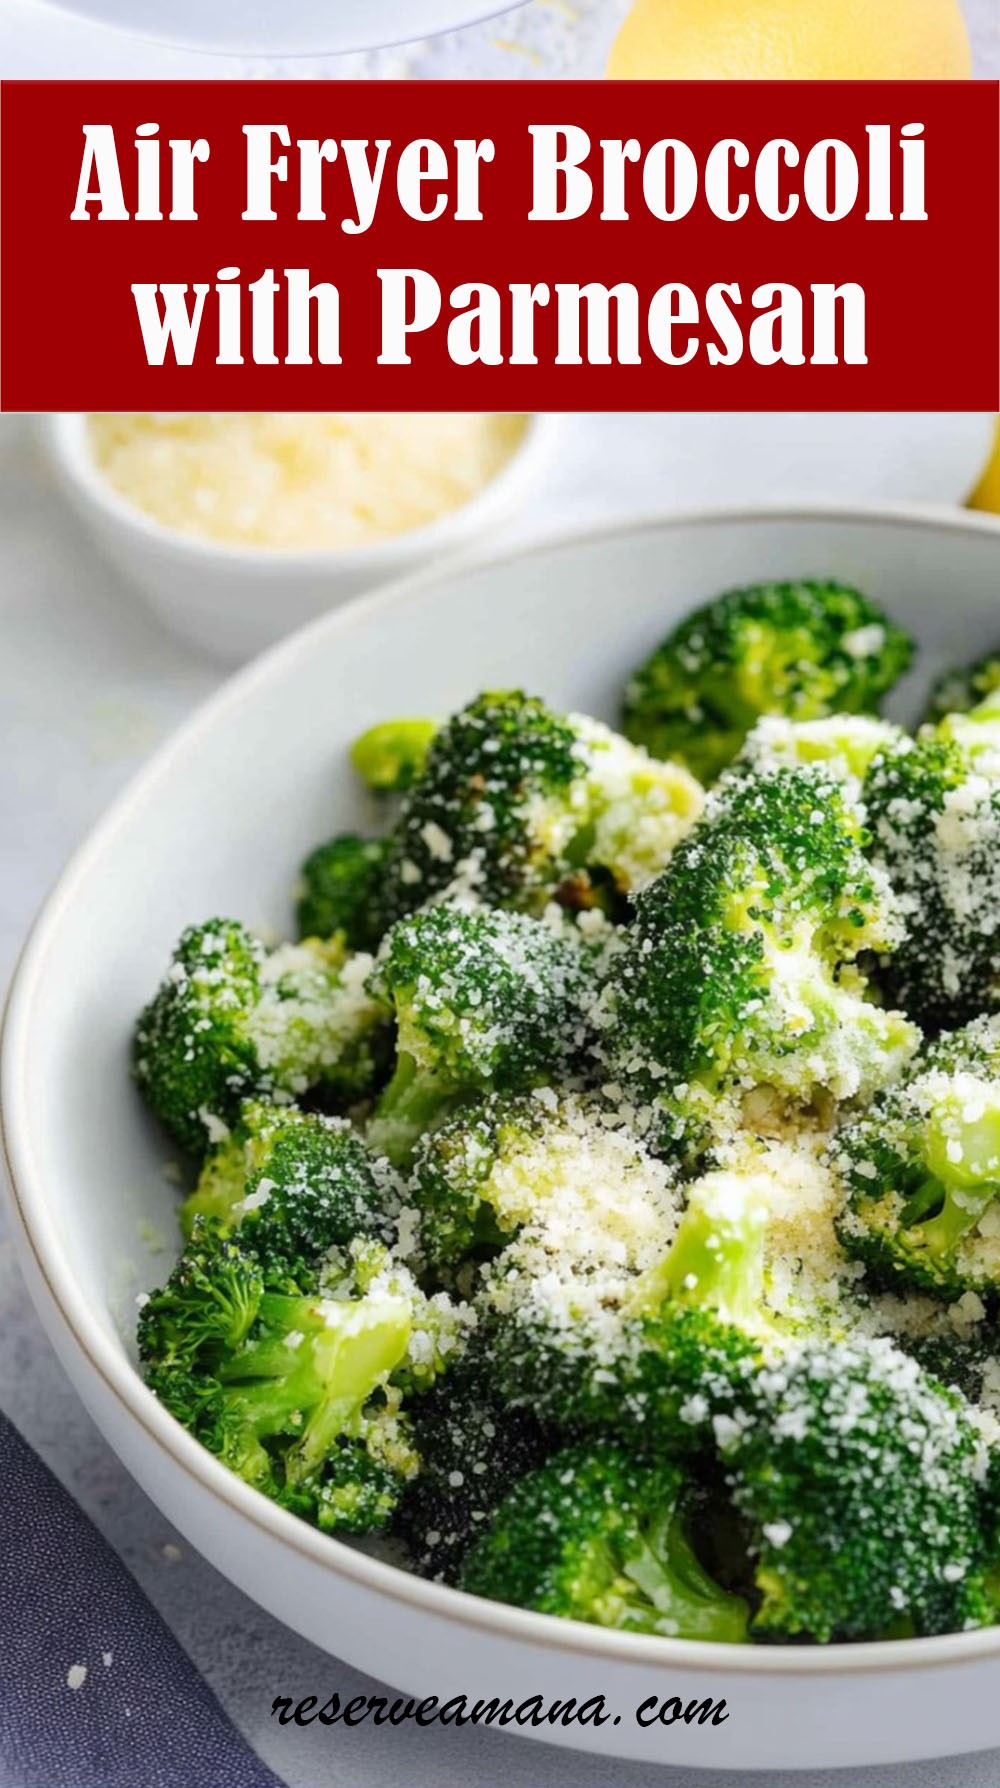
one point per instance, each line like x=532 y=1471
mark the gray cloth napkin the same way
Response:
x=95 y=1691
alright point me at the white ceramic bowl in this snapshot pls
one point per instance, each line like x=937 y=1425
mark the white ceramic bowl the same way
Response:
x=295 y=28
x=233 y=601
x=218 y=822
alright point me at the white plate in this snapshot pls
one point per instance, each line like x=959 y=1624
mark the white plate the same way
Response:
x=218 y=822
x=283 y=27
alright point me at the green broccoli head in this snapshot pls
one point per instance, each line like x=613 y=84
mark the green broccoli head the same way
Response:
x=860 y=1479
x=294 y=1184
x=652 y=1343
x=340 y=891
x=208 y=1305
x=921 y=1170
x=363 y=1478
x=523 y=806
x=231 y=1021
x=934 y=811
x=301 y=1396
x=740 y=972
x=484 y=1001
x=488 y=769
x=613 y=1310
x=309 y=1372
x=956 y=691
x=630 y=810
x=697 y=1322
x=455 y=1169
x=716 y=1260
x=803 y=650
x=194 y=1058
x=598 y=1536
x=316 y=1028
x=473 y=1448
x=555 y=1170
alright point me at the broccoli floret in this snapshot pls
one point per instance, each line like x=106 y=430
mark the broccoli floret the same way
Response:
x=956 y=691
x=484 y=1001
x=299 y=1395
x=921 y=1168
x=193 y=1055
x=555 y=1171
x=597 y=1536
x=453 y=1172
x=231 y=1020
x=740 y=972
x=391 y=755
x=629 y=811
x=208 y=1305
x=844 y=745
x=716 y=1261
x=699 y=1321
x=934 y=810
x=523 y=806
x=493 y=766
x=473 y=1449
x=803 y=650
x=316 y=1374
x=623 y=1327
x=316 y=1028
x=340 y=891
x=362 y=1480
x=702 y=1365
x=861 y=1481
x=294 y=1184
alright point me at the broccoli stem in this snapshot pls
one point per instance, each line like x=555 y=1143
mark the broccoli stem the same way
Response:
x=391 y=755
x=355 y=1360
x=219 y=1190
x=414 y=1102
x=275 y=1353
x=323 y=1366
x=942 y=1215
x=239 y=1447
x=961 y=1151
x=673 y=1580
x=716 y=1260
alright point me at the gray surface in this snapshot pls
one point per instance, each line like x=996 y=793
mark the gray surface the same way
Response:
x=88 y=685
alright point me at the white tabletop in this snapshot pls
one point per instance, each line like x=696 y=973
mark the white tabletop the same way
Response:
x=88 y=685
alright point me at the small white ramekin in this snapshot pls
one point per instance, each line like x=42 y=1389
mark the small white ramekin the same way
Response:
x=232 y=600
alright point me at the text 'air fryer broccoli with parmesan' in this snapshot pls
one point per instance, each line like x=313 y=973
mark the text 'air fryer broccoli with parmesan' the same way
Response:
x=600 y=1195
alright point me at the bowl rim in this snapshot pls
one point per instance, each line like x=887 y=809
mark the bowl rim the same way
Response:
x=40 y=1238
x=354 y=44
x=63 y=435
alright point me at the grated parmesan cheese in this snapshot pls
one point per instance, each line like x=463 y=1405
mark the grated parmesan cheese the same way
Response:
x=301 y=481
x=595 y=1210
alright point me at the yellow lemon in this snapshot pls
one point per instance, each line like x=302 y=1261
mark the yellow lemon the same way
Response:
x=792 y=40
x=987 y=492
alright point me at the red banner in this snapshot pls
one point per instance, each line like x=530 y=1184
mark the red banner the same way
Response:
x=521 y=245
